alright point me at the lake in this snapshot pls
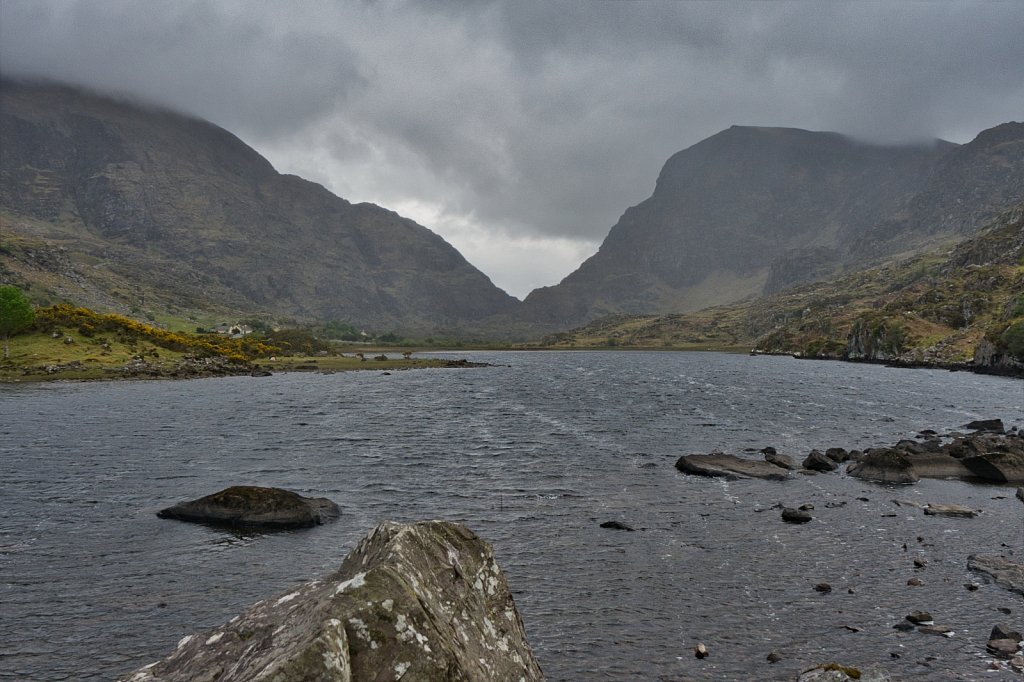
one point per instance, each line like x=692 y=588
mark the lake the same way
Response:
x=532 y=454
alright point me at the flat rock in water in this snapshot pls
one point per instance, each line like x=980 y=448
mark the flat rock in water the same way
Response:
x=885 y=465
x=1004 y=572
x=790 y=515
x=994 y=425
x=834 y=672
x=729 y=466
x=255 y=507
x=952 y=510
x=423 y=601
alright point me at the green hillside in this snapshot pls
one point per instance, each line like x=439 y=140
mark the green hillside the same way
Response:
x=961 y=306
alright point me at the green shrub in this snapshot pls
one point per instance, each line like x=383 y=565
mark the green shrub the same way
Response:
x=1013 y=339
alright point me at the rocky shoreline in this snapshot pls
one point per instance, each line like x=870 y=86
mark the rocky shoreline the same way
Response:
x=989 y=454
x=191 y=367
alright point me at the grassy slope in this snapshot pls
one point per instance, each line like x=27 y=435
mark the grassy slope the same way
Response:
x=77 y=343
x=932 y=309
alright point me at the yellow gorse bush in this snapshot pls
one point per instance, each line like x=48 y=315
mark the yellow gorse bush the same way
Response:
x=235 y=350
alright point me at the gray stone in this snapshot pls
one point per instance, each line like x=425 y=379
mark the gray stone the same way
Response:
x=423 y=601
x=950 y=510
x=255 y=507
x=1004 y=632
x=835 y=672
x=1003 y=572
x=885 y=465
x=837 y=455
x=781 y=461
x=729 y=466
x=1003 y=647
x=817 y=461
x=617 y=525
x=790 y=515
x=938 y=465
x=1001 y=467
x=993 y=425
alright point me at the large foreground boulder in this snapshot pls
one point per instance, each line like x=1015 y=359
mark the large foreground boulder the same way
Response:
x=424 y=602
x=243 y=506
x=721 y=465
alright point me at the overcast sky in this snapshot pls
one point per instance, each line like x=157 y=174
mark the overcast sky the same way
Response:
x=520 y=130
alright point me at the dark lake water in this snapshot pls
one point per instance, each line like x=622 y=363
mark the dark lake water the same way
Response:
x=533 y=455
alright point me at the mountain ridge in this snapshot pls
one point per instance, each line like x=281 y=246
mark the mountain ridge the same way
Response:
x=753 y=210
x=148 y=190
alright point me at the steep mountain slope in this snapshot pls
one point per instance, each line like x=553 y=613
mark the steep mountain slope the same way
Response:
x=958 y=306
x=755 y=210
x=119 y=206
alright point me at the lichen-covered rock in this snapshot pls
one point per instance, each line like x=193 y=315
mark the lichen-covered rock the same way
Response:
x=885 y=465
x=244 y=506
x=424 y=602
x=718 y=464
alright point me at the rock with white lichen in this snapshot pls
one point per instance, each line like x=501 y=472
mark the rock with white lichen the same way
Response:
x=423 y=601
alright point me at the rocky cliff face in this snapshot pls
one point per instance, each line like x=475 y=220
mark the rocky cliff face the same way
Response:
x=151 y=202
x=757 y=210
x=423 y=601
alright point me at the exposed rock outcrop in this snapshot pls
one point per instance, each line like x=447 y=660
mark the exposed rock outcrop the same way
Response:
x=885 y=465
x=423 y=601
x=729 y=466
x=1001 y=570
x=818 y=461
x=1001 y=467
x=243 y=506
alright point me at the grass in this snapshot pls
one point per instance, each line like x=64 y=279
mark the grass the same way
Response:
x=70 y=343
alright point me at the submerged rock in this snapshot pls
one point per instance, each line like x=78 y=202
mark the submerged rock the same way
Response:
x=244 y=506
x=423 y=601
x=1004 y=572
x=617 y=525
x=720 y=465
x=836 y=672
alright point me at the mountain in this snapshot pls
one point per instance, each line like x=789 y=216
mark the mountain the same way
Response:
x=752 y=211
x=125 y=207
x=962 y=306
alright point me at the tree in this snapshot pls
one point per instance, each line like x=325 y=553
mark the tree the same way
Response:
x=15 y=314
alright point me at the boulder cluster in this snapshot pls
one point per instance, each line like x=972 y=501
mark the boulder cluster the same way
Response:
x=990 y=454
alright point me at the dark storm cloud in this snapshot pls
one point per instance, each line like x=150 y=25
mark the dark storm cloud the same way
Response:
x=526 y=120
